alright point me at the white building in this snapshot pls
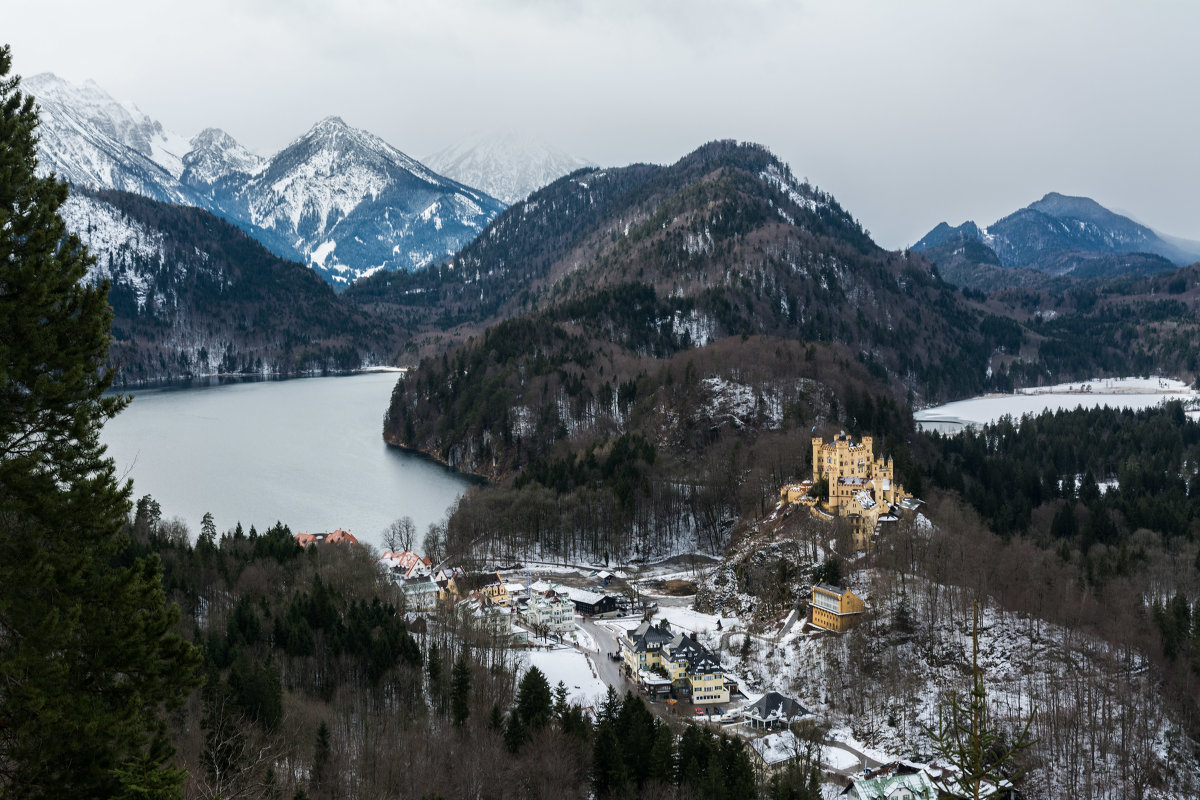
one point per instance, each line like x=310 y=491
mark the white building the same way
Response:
x=550 y=611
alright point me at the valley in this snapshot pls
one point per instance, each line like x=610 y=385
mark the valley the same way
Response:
x=655 y=480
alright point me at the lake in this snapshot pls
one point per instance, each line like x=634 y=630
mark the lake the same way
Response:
x=1135 y=393
x=308 y=452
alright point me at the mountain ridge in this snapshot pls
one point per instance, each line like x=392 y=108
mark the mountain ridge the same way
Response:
x=340 y=199
x=1058 y=235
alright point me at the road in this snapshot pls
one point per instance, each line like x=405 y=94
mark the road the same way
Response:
x=607 y=670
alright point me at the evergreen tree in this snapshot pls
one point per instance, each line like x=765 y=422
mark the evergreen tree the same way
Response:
x=322 y=750
x=969 y=741
x=86 y=649
x=515 y=732
x=460 y=691
x=533 y=699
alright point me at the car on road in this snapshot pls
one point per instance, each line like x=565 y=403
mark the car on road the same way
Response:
x=700 y=712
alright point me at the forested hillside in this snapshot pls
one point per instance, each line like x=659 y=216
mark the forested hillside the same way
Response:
x=730 y=243
x=680 y=330
x=317 y=687
x=193 y=295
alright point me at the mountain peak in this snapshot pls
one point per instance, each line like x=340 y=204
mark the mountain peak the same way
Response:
x=505 y=164
x=331 y=123
x=1067 y=206
x=212 y=137
x=216 y=156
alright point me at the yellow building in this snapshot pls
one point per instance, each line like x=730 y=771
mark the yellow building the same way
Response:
x=833 y=607
x=694 y=671
x=862 y=488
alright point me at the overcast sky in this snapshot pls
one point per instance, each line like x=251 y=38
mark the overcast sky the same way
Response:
x=908 y=112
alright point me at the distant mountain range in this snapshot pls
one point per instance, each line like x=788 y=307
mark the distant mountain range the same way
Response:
x=506 y=166
x=1058 y=235
x=338 y=199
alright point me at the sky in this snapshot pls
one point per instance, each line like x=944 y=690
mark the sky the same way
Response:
x=909 y=113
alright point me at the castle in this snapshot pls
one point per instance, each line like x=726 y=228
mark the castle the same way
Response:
x=862 y=488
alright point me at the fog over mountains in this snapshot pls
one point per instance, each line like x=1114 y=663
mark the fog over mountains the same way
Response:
x=505 y=165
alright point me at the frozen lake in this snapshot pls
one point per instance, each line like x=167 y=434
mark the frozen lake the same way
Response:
x=1135 y=393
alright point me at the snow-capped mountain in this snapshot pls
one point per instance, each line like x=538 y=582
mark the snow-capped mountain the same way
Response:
x=351 y=204
x=88 y=138
x=506 y=166
x=339 y=199
x=216 y=163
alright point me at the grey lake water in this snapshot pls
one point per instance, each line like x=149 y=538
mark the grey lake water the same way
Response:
x=307 y=452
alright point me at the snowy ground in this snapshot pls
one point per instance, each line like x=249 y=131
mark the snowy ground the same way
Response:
x=572 y=668
x=689 y=620
x=1135 y=393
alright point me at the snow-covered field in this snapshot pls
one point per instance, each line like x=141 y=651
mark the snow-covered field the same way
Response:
x=572 y=668
x=1135 y=393
x=692 y=621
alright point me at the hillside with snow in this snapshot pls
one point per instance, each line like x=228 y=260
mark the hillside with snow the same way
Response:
x=351 y=205
x=338 y=199
x=193 y=296
x=1103 y=729
x=89 y=139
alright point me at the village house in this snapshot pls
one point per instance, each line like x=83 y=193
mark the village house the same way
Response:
x=484 y=615
x=899 y=780
x=447 y=580
x=549 y=611
x=774 y=753
x=834 y=608
x=693 y=671
x=488 y=584
x=774 y=711
x=405 y=563
x=593 y=604
x=420 y=592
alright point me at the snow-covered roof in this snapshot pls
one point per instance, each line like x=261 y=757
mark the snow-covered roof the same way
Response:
x=653 y=679
x=776 y=748
x=584 y=596
x=883 y=783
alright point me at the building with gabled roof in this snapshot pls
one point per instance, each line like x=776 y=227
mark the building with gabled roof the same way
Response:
x=488 y=584
x=773 y=711
x=899 y=780
x=405 y=563
x=693 y=670
x=774 y=752
x=420 y=592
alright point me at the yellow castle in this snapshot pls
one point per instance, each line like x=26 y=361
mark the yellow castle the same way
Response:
x=862 y=488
